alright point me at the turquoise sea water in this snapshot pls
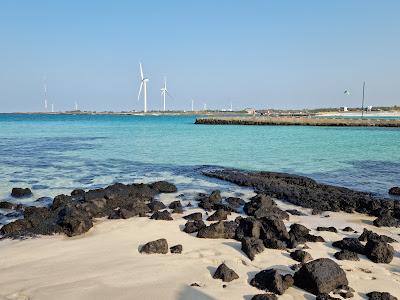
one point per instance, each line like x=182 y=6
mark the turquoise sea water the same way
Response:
x=56 y=153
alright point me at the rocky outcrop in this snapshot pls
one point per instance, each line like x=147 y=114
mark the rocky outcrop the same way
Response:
x=394 y=191
x=74 y=214
x=368 y=235
x=306 y=192
x=271 y=281
x=21 y=192
x=225 y=274
x=158 y=246
x=163 y=187
x=320 y=276
x=220 y=230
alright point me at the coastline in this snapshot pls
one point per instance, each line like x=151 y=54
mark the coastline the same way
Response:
x=104 y=263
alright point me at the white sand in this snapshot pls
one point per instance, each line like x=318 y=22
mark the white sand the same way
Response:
x=105 y=263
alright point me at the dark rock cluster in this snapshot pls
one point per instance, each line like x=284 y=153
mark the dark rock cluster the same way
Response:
x=74 y=214
x=306 y=192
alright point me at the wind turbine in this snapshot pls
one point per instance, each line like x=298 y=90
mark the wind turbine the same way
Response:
x=76 y=105
x=192 y=105
x=45 y=96
x=143 y=84
x=164 y=91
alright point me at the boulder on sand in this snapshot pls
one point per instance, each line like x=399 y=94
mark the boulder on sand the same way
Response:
x=157 y=246
x=351 y=244
x=330 y=228
x=21 y=192
x=379 y=251
x=268 y=296
x=319 y=276
x=197 y=216
x=271 y=281
x=219 y=215
x=346 y=255
x=162 y=215
x=193 y=226
x=301 y=256
x=177 y=249
x=380 y=296
x=219 y=230
x=225 y=273
x=74 y=221
x=252 y=246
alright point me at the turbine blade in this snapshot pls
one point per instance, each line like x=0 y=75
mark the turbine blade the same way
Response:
x=141 y=71
x=140 y=90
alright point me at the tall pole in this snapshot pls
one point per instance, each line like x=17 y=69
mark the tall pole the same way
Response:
x=363 y=97
x=45 y=97
x=164 y=99
x=192 y=105
x=145 y=96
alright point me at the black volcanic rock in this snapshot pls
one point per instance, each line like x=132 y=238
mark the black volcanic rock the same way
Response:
x=306 y=192
x=252 y=246
x=271 y=281
x=351 y=244
x=379 y=251
x=163 y=187
x=7 y=205
x=346 y=255
x=394 y=191
x=330 y=228
x=21 y=192
x=386 y=221
x=177 y=249
x=156 y=205
x=369 y=235
x=301 y=256
x=73 y=215
x=225 y=274
x=380 y=296
x=219 y=215
x=348 y=229
x=268 y=296
x=157 y=246
x=320 y=276
x=162 y=215
x=194 y=216
x=194 y=226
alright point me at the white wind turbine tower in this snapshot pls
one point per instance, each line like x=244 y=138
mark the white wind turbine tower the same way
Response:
x=164 y=91
x=143 y=84
x=45 y=96
x=192 y=105
x=76 y=105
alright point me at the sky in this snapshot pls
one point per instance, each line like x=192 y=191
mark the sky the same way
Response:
x=259 y=53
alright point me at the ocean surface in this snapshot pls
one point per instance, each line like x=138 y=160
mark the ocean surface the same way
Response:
x=53 y=154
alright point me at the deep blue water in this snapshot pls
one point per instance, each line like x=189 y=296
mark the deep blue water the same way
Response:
x=55 y=153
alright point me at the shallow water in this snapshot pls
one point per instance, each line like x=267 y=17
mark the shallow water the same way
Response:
x=54 y=154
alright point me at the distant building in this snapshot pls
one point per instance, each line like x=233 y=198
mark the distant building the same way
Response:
x=344 y=108
x=369 y=108
x=250 y=111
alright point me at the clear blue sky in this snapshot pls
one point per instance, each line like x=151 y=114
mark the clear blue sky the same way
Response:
x=254 y=53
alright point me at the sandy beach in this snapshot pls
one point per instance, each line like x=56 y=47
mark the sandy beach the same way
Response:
x=105 y=263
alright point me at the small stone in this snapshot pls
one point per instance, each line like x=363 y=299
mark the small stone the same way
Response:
x=177 y=249
x=225 y=273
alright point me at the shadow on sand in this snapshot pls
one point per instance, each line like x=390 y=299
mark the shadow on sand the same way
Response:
x=193 y=293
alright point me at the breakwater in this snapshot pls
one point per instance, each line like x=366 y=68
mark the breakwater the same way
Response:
x=299 y=121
